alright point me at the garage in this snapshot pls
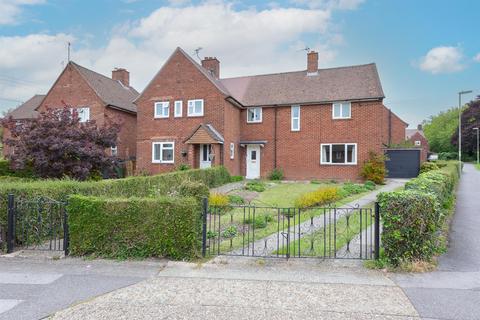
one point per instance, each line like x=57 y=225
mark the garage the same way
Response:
x=402 y=163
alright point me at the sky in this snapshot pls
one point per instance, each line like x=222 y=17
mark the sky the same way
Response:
x=426 y=51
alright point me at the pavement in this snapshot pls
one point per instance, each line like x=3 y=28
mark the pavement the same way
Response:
x=33 y=286
x=252 y=288
x=453 y=291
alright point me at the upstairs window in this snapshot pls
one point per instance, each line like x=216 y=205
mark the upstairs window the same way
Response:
x=195 y=108
x=83 y=114
x=162 y=152
x=341 y=153
x=342 y=110
x=178 y=108
x=418 y=143
x=295 y=115
x=254 y=115
x=162 y=109
x=114 y=151
x=232 y=150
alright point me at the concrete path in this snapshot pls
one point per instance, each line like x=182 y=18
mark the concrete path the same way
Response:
x=250 y=288
x=34 y=287
x=268 y=245
x=453 y=292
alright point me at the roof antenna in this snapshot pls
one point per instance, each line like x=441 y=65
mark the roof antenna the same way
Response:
x=197 y=51
x=68 y=50
x=305 y=49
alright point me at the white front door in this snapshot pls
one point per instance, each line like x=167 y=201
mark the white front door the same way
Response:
x=205 y=151
x=253 y=161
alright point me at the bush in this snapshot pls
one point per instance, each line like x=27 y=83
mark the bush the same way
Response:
x=320 y=197
x=140 y=186
x=257 y=186
x=374 y=168
x=352 y=188
x=236 y=199
x=259 y=222
x=218 y=200
x=370 y=185
x=230 y=232
x=276 y=174
x=410 y=220
x=428 y=166
x=5 y=170
x=448 y=156
x=134 y=227
x=236 y=178
x=183 y=167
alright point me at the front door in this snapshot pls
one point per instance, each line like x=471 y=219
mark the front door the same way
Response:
x=253 y=161
x=205 y=160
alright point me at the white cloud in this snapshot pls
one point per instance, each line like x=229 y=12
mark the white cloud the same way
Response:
x=246 y=41
x=330 y=4
x=477 y=58
x=443 y=60
x=10 y=10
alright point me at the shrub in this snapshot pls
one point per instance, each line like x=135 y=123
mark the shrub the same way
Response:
x=134 y=227
x=182 y=167
x=448 y=156
x=6 y=170
x=374 y=168
x=236 y=178
x=259 y=222
x=218 y=200
x=322 y=196
x=276 y=174
x=257 y=186
x=410 y=220
x=428 y=166
x=349 y=188
x=230 y=232
x=235 y=199
x=370 y=185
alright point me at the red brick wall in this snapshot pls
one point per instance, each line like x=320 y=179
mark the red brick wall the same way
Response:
x=424 y=145
x=398 y=129
x=6 y=149
x=71 y=89
x=179 y=79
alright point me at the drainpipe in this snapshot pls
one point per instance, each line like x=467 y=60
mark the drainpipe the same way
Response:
x=275 y=139
x=389 y=127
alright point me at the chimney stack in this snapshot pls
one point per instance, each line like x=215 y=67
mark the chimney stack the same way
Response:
x=122 y=75
x=312 y=63
x=419 y=127
x=212 y=65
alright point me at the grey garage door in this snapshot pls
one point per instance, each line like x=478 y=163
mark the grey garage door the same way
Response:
x=403 y=163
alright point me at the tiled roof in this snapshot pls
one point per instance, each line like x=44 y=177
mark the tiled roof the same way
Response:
x=27 y=109
x=334 y=84
x=112 y=92
x=411 y=132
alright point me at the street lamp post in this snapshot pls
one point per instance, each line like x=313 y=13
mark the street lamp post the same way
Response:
x=460 y=123
x=478 y=145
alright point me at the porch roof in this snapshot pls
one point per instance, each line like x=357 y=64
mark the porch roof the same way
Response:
x=205 y=134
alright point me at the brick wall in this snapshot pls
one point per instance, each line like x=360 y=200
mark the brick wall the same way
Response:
x=423 y=144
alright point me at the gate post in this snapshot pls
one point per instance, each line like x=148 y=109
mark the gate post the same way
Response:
x=204 y=226
x=66 y=234
x=11 y=223
x=377 y=231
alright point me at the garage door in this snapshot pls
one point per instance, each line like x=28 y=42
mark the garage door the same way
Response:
x=403 y=163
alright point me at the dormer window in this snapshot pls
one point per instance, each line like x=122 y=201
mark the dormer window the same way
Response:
x=342 y=110
x=254 y=115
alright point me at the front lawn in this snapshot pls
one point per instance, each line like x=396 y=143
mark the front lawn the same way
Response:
x=284 y=194
x=477 y=166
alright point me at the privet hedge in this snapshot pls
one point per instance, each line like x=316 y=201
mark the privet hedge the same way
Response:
x=140 y=186
x=135 y=227
x=412 y=218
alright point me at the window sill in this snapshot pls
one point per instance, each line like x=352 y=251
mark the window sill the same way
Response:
x=349 y=118
x=156 y=162
x=195 y=115
x=253 y=122
x=161 y=117
x=338 y=164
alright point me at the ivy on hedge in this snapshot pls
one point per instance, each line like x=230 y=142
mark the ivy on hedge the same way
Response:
x=135 y=227
x=413 y=217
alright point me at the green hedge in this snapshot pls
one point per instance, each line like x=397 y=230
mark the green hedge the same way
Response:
x=413 y=218
x=135 y=227
x=140 y=186
x=6 y=171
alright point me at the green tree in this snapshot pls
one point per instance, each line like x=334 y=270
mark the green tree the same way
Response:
x=439 y=130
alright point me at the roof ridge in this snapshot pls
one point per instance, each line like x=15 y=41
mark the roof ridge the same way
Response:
x=299 y=71
x=102 y=75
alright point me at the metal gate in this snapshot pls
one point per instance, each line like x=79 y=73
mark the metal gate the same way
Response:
x=402 y=163
x=259 y=231
x=37 y=224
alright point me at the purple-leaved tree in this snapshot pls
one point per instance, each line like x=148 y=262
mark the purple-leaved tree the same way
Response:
x=57 y=144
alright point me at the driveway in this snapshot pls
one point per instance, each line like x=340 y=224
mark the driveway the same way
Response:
x=250 y=288
x=453 y=291
x=34 y=287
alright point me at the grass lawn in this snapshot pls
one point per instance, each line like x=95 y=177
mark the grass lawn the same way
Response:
x=323 y=243
x=477 y=165
x=241 y=225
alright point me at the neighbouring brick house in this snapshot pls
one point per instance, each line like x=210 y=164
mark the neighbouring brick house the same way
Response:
x=315 y=123
x=417 y=137
x=96 y=97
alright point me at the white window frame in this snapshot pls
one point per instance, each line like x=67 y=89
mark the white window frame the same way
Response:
x=232 y=150
x=178 y=108
x=342 y=105
x=329 y=161
x=418 y=143
x=191 y=112
x=292 y=118
x=162 y=106
x=160 y=160
x=83 y=113
x=114 y=151
x=260 y=109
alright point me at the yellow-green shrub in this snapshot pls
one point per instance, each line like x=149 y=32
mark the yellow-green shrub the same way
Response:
x=218 y=200
x=318 y=197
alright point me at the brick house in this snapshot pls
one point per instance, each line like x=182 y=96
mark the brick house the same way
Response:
x=417 y=137
x=314 y=123
x=96 y=97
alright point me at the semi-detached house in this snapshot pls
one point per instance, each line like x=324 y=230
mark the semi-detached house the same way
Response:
x=314 y=123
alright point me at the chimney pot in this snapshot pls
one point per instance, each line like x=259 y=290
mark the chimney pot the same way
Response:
x=312 y=63
x=419 y=127
x=212 y=65
x=122 y=75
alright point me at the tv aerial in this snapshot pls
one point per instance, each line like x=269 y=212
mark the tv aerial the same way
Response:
x=197 y=51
